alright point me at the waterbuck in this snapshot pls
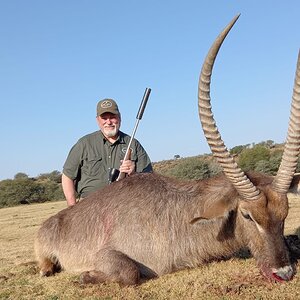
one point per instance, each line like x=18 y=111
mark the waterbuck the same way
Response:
x=148 y=225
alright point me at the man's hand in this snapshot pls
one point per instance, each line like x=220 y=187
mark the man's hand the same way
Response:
x=127 y=166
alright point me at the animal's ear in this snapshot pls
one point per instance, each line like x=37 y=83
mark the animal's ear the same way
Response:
x=216 y=209
x=295 y=185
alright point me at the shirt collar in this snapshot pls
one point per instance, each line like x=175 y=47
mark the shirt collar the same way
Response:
x=120 y=139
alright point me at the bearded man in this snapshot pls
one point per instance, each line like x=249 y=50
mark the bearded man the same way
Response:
x=90 y=160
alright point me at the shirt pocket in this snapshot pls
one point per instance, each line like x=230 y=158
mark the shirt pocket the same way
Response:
x=133 y=154
x=92 y=166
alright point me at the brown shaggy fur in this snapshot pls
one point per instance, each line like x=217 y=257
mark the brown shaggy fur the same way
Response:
x=148 y=225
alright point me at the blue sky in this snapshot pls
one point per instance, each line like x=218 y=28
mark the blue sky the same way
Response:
x=58 y=58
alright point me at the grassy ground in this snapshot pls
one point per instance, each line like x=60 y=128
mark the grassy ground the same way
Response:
x=19 y=279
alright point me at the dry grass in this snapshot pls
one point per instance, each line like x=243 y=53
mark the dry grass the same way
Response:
x=19 y=279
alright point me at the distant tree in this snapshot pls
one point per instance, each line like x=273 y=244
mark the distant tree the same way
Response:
x=20 y=175
x=54 y=176
x=14 y=192
x=176 y=156
x=237 y=150
x=250 y=157
x=268 y=144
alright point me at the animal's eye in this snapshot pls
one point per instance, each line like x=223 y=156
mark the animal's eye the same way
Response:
x=246 y=216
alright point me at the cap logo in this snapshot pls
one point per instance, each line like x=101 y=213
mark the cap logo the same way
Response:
x=106 y=104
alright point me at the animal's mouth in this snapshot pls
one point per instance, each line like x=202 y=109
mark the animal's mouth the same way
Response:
x=279 y=275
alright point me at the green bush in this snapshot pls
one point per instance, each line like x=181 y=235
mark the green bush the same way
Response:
x=54 y=176
x=263 y=166
x=24 y=190
x=52 y=191
x=238 y=149
x=193 y=168
x=17 y=191
x=249 y=158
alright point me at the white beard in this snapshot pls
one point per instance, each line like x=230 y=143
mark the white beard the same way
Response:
x=110 y=132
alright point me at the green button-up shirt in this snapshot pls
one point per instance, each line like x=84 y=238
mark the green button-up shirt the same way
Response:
x=90 y=159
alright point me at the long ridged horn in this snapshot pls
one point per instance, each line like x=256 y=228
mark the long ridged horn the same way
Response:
x=241 y=182
x=288 y=165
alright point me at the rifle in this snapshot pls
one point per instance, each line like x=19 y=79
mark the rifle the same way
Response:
x=114 y=174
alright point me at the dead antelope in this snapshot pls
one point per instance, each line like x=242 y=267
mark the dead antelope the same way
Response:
x=148 y=225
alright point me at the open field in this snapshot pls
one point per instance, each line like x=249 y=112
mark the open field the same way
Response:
x=232 y=279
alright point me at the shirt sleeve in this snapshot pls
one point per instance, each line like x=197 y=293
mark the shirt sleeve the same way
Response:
x=73 y=162
x=143 y=163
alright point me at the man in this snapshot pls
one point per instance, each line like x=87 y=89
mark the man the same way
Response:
x=90 y=160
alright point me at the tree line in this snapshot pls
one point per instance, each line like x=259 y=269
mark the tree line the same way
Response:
x=264 y=157
x=25 y=190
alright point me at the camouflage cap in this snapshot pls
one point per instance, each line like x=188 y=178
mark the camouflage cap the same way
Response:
x=107 y=105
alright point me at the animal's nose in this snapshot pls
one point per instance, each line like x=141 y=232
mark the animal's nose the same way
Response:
x=283 y=274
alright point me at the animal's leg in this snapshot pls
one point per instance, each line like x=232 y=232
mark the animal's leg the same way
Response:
x=45 y=258
x=47 y=267
x=48 y=264
x=113 y=266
